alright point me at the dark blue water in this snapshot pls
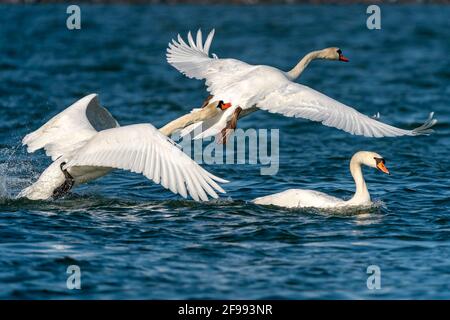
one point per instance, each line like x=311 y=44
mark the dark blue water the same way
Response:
x=133 y=239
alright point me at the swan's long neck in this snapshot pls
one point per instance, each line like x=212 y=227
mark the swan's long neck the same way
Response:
x=176 y=124
x=361 y=195
x=303 y=63
x=195 y=116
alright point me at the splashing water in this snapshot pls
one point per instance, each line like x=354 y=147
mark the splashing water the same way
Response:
x=135 y=240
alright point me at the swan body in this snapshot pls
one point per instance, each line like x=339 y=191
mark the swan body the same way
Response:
x=253 y=87
x=300 y=198
x=87 y=142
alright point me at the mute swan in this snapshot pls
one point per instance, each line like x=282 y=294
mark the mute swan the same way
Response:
x=251 y=87
x=86 y=142
x=299 y=198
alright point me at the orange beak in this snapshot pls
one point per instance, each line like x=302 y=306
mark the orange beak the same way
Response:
x=382 y=167
x=342 y=58
x=225 y=106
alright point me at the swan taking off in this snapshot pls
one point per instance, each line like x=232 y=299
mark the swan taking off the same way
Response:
x=300 y=198
x=251 y=87
x=86 y=142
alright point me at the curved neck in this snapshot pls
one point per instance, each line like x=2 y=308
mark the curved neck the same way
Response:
x=176 y=124
x=361 y=195
x=302 y=64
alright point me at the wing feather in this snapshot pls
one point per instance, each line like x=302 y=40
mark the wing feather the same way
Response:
x=192 y=59
x=208 y=41
x=296 y=100
x=190 y=186
x=71 y=128
x=181 y=187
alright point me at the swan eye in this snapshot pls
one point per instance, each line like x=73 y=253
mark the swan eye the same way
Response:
x=378 y=160
x=339 y=51
x=220 y=104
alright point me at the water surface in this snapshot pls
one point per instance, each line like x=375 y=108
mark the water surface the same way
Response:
x=133 y=239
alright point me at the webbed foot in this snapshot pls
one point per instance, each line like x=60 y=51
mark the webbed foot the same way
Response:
x=64 y=189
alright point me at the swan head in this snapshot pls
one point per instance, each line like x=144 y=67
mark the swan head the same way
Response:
x=333 y=53
x=221 y=105
x=371 y=159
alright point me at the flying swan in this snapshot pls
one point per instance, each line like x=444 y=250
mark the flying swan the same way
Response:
x=86 y=142
x=299 y=198
x=252 y=87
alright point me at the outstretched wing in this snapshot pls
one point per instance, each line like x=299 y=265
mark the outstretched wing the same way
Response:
x=71 y=128
x=143 y=149
x=192 y=59
x=296 y=100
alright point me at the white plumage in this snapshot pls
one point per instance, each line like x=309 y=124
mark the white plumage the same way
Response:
x=303 y=198
x=268 y=88
x=318 y=107
x=71 y=128
x=300 y=198
x=90 y=141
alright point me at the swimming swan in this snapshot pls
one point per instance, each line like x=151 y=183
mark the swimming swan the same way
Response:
x=299 y=198
x=86 y=142
x=252 y=87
